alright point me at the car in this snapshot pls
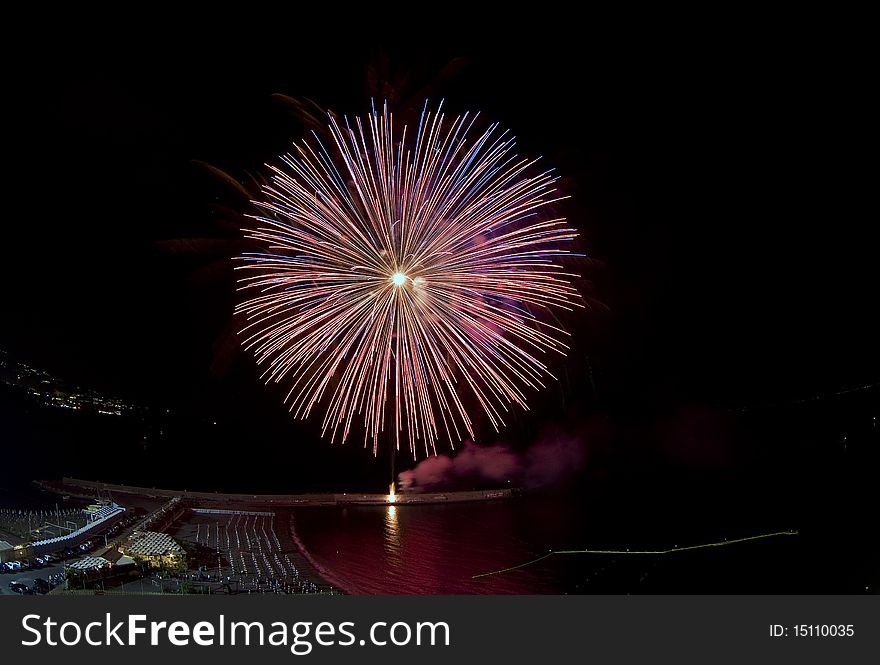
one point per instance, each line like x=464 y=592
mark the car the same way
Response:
x=41 y=585
x=39 y=561
x=25 y=564
x=17 y=587
x=16 y=565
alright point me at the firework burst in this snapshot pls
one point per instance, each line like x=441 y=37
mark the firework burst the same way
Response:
x=400 y=273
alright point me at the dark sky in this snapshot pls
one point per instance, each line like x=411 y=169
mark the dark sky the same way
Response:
x=720 y=183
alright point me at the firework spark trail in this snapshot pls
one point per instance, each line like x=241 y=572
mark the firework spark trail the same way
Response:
x=395 y=278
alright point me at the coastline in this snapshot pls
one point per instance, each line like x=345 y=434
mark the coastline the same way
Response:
x=326 y=576
x=130 y=495
x=282 y=506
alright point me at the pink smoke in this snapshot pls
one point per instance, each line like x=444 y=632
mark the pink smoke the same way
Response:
x=550 y=462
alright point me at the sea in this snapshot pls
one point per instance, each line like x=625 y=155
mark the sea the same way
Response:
x=647 y=531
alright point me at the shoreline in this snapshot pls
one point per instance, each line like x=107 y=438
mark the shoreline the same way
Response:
x=282 y=505
x=318 y=574
x=323 y=573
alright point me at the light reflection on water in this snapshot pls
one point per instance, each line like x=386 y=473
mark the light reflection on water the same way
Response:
x=406 y=549
x=437 y=549
x=392 y=537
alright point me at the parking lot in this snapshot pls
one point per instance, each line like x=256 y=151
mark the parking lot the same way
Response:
x=27 y=577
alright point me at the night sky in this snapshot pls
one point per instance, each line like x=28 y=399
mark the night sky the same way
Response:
x=718 y=181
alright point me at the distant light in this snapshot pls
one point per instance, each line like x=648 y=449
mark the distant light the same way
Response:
x=398 y=278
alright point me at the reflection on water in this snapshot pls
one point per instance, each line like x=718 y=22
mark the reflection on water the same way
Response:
x=437 y=549
x=392 y=536
x=424 y=549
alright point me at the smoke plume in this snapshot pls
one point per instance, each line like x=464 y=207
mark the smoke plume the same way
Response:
x=550 y=462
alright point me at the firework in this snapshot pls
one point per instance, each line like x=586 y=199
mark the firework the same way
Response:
x=402 y=277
